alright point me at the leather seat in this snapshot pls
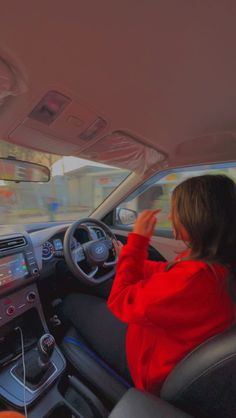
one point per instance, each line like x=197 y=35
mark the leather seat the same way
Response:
x=98 y=374
x=138 y=404
x=202 y=384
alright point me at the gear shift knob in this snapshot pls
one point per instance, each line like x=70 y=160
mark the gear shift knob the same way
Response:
x=46 y=346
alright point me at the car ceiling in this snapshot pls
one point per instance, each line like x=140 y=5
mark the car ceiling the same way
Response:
x=162 y=70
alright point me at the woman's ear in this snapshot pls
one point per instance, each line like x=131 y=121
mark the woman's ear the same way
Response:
x=183 y=233
x=179 y=231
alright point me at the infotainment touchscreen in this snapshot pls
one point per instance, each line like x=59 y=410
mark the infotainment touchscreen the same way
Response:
x=12 y=267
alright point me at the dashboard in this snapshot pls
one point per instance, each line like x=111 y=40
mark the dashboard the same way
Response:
x=37 y=251
x=24 y=256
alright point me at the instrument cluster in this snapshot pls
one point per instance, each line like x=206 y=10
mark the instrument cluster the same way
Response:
x=55 y=248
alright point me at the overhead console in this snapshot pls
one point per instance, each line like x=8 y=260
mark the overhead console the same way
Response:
x=62 y=124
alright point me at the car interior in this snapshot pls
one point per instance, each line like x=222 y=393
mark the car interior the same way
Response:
x=104 y=108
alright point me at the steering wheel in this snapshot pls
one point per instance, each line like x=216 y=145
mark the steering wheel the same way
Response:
x=88 y=261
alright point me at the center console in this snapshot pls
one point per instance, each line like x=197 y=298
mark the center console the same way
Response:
x=33 y=373
x=22 y=325
x=33 y=370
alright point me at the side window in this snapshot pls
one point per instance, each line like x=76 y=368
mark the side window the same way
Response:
x=156 y=193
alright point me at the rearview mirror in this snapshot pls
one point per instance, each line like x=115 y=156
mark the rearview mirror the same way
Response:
x=12 y=169
x=125 y=216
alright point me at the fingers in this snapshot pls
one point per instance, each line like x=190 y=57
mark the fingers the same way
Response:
x=117 y=245
x=151 y=226
x=148 y=214
x=146 y=222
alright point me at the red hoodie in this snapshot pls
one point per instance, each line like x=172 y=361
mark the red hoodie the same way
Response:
x=168 y=313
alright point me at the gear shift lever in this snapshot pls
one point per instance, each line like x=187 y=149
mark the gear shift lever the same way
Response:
x=45 y=347
x=37 y=361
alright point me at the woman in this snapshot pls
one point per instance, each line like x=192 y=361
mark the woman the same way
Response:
x=170 y=308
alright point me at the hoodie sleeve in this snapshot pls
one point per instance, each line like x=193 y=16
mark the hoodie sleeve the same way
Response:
x=166 y=298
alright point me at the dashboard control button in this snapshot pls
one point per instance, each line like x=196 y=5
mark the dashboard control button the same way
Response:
x=21 y=306
x=7 y=302
x=31 y=296
x=35 y=271
x=10 y=310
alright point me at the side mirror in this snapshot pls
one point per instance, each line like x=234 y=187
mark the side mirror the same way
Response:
x=125 y=216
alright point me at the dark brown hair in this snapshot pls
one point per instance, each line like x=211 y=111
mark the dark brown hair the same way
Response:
x=206 y=207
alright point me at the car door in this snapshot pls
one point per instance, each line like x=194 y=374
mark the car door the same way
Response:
x=156 y=193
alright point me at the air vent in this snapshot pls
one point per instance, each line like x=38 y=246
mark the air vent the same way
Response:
x=11 y=243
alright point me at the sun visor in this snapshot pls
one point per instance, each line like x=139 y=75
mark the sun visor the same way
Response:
x=12 y=82
x=123 y=150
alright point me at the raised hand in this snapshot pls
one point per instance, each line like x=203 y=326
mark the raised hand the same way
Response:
x=145 y=223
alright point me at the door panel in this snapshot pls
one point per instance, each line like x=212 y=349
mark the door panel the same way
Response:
x=166 y=248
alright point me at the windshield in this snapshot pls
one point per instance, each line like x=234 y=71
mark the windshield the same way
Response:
x=76 y=188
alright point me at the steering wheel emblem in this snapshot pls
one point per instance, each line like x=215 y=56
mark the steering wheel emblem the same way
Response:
x=99 y=250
